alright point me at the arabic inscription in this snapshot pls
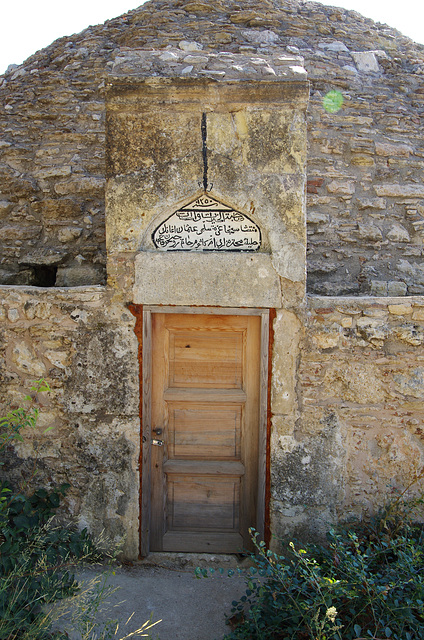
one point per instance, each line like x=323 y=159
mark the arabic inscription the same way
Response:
x=207 y=225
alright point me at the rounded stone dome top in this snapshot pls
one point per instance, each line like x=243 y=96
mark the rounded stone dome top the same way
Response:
x=365 y=192
x=251 y=23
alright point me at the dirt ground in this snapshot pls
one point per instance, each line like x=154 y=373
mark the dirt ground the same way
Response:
x=165 y=588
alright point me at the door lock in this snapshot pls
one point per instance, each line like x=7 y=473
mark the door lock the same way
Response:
x=158 y=443
x=158 y=431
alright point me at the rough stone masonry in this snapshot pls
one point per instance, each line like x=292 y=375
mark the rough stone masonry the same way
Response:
x=346 y=363
x=365 y=194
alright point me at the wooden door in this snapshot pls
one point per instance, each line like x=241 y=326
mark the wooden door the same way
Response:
x=205 y=408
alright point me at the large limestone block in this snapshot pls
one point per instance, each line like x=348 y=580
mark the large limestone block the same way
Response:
x=366 y=61
x=287 y=333
x=400 y=190
x=27 y=361
x=354 y=382
x=225 y=280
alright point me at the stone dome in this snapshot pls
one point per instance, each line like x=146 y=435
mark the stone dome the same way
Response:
x=365 y=162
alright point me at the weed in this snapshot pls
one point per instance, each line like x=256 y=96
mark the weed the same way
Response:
x=367 y=581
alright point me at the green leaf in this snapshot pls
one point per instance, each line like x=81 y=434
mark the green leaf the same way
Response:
x=63 y=488
x=48 y=429
x=357 y=628
x=22 y=522
x=54 y=500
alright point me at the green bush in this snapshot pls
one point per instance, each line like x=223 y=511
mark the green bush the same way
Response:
x=35 y=555
x=35 y=560
x=12 y=425
x=366 y=582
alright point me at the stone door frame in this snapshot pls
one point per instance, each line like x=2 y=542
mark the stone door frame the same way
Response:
x=146 y=431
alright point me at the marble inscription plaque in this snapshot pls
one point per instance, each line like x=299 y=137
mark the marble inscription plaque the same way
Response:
x=207 y=225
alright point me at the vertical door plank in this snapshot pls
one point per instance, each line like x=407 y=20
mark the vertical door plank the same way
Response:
x=250 y=428
x=159 y=374
x=146 y=435
x=263 y=409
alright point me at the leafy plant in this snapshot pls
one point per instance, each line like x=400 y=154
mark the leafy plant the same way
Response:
x=35 y=556
x=16 y=420
x=11 y=427
x=31 y=579
x=366 y=582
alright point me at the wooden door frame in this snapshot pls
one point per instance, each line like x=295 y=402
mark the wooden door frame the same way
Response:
x=146 y=431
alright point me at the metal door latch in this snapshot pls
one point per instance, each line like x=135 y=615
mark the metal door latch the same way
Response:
x=158 y=443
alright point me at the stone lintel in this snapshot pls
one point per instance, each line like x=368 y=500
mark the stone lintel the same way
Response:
x=213 y=279
x=135 y=94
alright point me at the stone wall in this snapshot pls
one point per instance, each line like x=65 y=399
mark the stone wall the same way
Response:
x=357 y=438
x=366 y=198
x=365 y=191
x=83 y=344
x=346 y=399
x=347 y=380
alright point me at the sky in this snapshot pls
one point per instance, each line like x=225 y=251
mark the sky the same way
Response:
x=30 y=25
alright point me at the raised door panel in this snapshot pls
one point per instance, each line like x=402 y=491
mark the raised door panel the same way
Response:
x=205 y=359
x=193 y=432
x=194 y=502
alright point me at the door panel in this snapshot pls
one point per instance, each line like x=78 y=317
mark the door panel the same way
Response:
x=205 y=409
x=207 y=360
x=196 y=501
x=192 y=431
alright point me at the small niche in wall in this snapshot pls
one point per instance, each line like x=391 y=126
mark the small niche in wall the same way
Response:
x=78 y=273
x=30 y=275
x=44 y=275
